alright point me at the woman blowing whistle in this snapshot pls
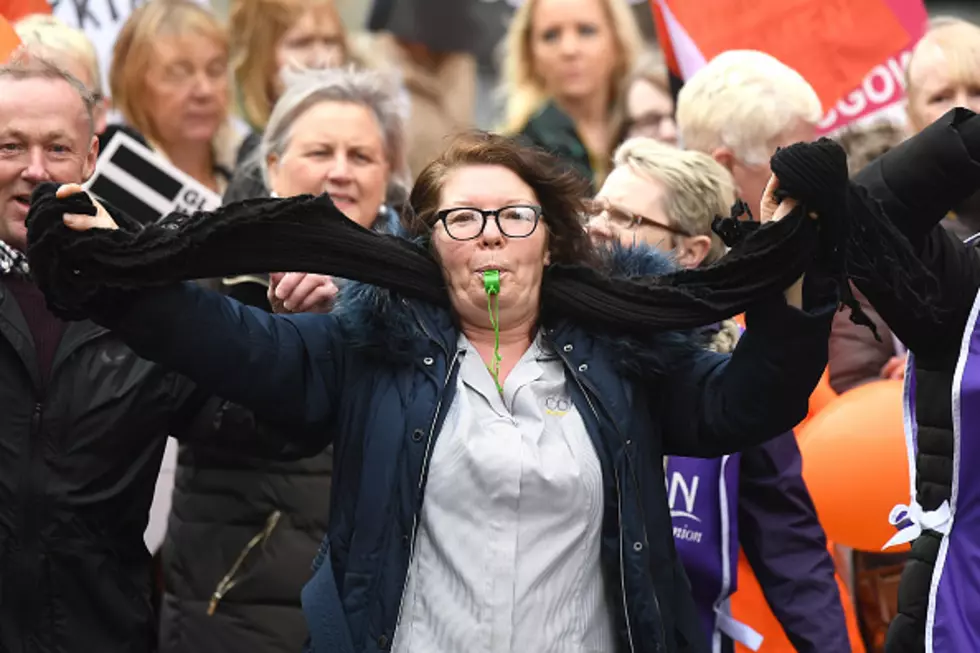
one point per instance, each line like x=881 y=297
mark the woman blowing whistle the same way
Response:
x=502 y=403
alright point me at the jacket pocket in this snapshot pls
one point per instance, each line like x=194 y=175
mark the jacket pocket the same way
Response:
x=99 y=603
x=326 y=617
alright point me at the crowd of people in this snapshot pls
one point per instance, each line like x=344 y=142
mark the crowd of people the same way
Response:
x=371 y=463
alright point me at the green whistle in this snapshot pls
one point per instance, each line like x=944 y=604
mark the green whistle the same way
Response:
x=491 y=281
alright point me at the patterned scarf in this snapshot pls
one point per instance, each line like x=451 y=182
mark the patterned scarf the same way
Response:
x=13 y=262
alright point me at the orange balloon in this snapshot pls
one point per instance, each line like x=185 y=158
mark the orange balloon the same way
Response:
x=855 y=465
x=823 y=395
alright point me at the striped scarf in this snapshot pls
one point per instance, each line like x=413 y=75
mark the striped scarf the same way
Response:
x=13 y=262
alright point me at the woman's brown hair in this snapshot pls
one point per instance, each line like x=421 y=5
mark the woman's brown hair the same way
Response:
x=135 y=47
x=561 y=192
x=256 y=27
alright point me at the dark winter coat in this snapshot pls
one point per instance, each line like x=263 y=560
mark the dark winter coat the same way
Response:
x=242 y=533
x=376 y=378
x=80 y=451
x=916 y=199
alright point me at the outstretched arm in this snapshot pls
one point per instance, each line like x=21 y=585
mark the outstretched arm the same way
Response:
x=717 y=404
x=918 y=182
x=957 y=269
x=285 y=368
x=784 y=543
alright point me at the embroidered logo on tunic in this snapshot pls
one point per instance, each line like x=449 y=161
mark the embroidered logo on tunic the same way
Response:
x=557 y=405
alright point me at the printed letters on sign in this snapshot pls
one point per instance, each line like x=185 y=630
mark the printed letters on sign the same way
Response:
x=679 y=484
x=688 y=492
x=143 y=184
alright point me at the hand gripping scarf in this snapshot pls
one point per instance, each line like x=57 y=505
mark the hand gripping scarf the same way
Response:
x=852 y=238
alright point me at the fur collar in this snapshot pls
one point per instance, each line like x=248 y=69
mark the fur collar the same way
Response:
x=385 y=327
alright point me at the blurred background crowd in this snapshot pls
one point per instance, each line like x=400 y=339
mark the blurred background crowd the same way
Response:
x=224 y=92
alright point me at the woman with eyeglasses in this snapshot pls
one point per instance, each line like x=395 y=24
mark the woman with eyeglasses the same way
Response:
x=660 y=196
x=498 y=479
x=648 y=102
x=270 y=42
x=642 y=209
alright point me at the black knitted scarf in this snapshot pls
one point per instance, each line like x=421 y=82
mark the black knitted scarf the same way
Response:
x=851 y=238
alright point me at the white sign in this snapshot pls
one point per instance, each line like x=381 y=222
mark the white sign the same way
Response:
x=156 y=527
x=144 y=185
x=101 y=21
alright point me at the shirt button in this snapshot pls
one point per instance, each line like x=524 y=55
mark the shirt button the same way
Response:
x=428 y=361
x=568 y=348
x=637 y=546
x=417 y=435
x=383 y=642
x=583 y=367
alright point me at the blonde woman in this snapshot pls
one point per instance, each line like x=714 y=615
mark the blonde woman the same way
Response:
x=564 y=67
x=944 y=72
x=169 y=80
x=270 y=38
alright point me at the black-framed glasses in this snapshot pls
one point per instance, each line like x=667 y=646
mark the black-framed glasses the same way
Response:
x=620 y=218
x=467 y=223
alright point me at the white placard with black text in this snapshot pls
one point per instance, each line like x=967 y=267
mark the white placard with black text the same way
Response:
x=144 y=185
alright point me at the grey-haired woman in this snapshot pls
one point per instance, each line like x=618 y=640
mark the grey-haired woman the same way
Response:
x=243 y=530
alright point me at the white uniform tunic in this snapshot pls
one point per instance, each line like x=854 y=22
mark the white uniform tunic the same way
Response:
x=507 y=555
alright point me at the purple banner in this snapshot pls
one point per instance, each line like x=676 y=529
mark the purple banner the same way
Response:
x=953 y=621
x=703 y=498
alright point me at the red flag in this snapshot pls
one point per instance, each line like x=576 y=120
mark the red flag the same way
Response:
x=9 y=41
x=14 y=10
x=851 y=52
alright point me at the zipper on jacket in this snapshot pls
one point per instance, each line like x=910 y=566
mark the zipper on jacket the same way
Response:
x=30 y=520
x=229 y=580
x=619 y=516
x=586 y=391
x=622 y=563
x=423 y=476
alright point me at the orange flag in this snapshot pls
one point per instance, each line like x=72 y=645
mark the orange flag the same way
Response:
x=9 y=41
x=852 y=52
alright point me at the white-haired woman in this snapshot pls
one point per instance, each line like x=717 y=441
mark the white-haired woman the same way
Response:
x=243 y=530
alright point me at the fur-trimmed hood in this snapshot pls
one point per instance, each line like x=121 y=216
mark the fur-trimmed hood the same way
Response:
x=384 y=326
